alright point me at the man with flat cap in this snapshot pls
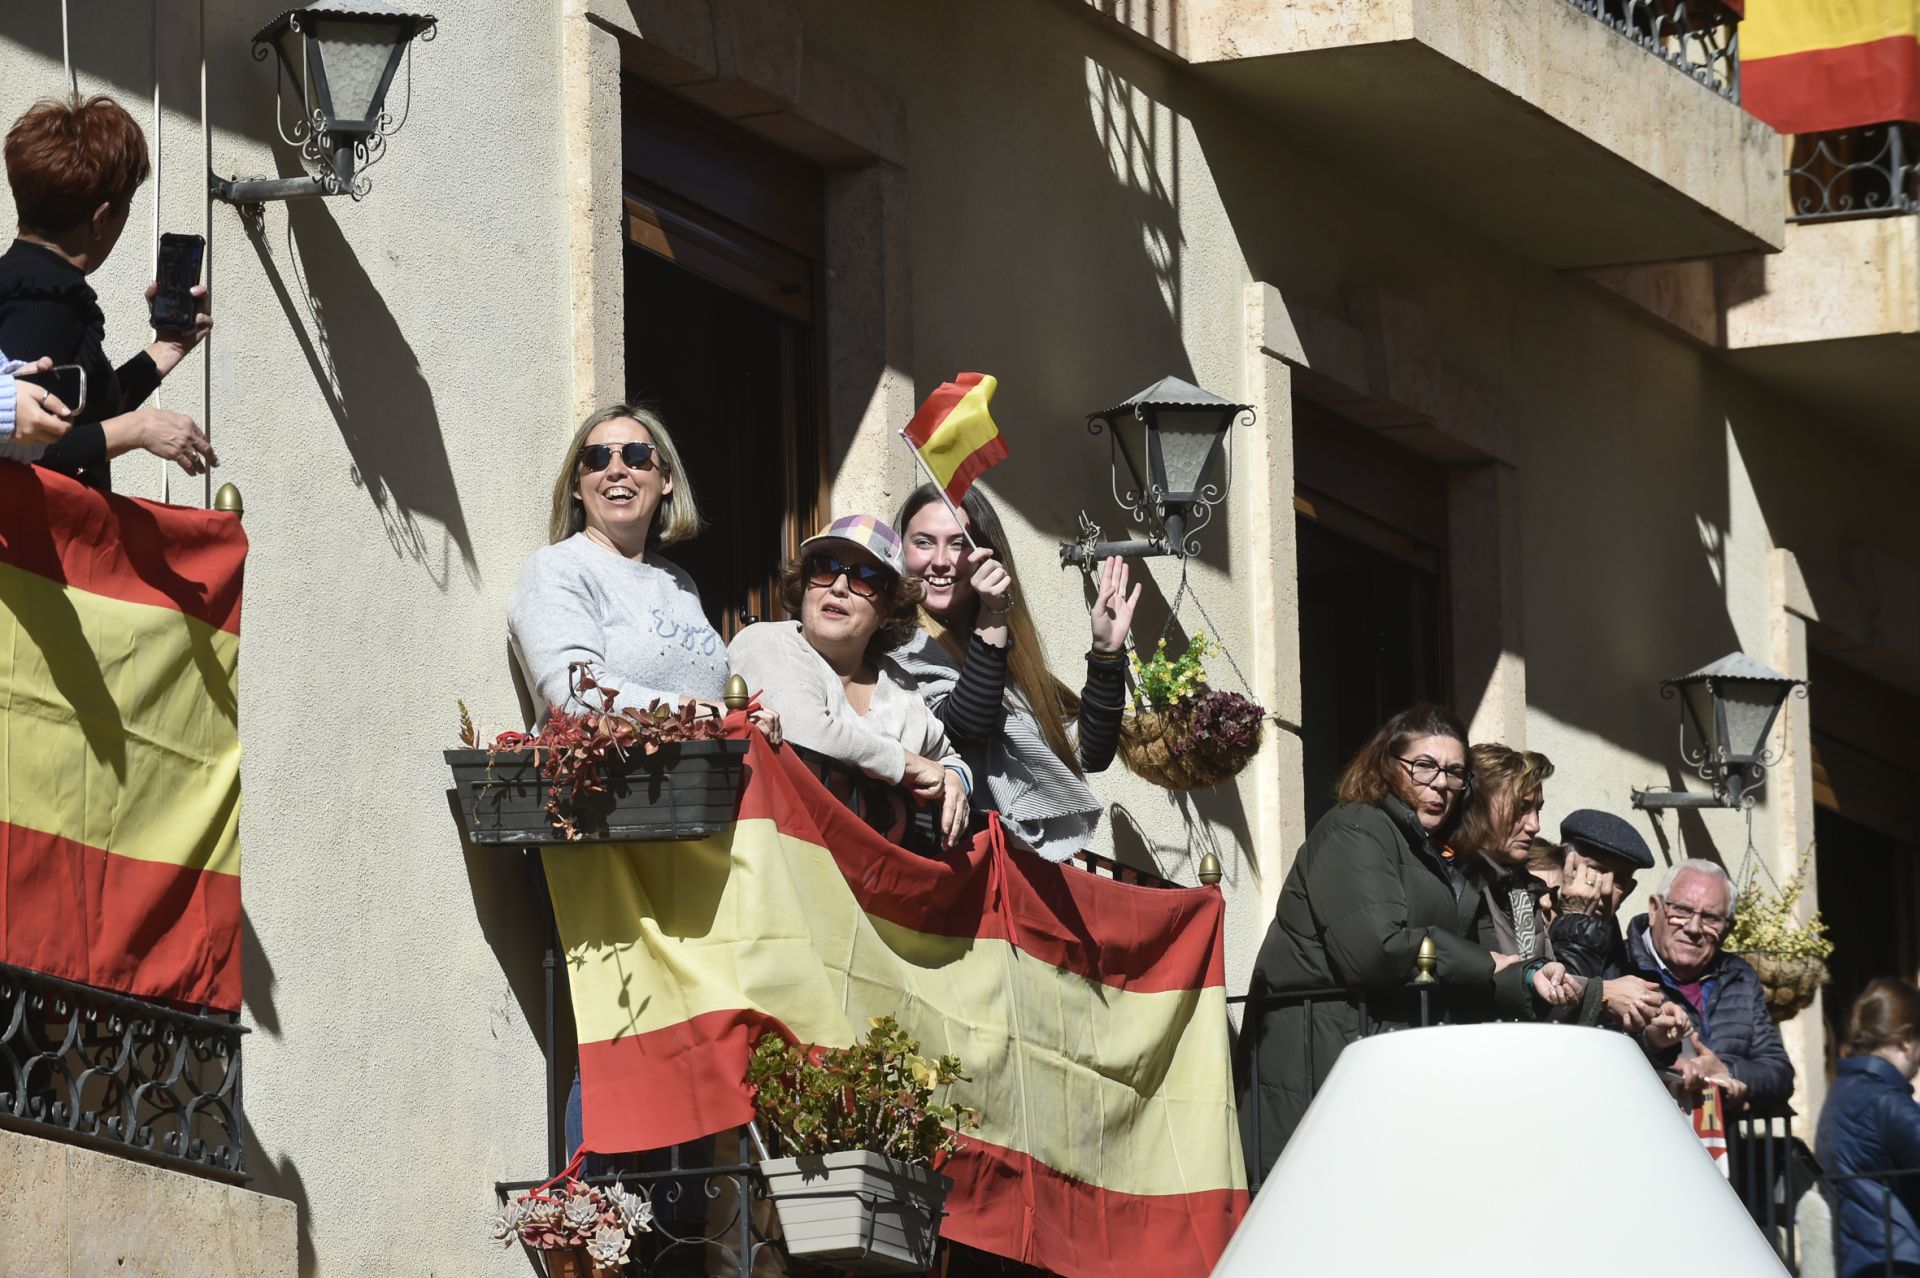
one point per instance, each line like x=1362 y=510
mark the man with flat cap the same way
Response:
x=1599 y=858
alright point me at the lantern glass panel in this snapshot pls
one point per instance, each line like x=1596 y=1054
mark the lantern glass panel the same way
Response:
x=1130 y=433
x=1697 y=696
x=355 y=57
x=1750 y=705
x=1188 y=439
x=292 y=48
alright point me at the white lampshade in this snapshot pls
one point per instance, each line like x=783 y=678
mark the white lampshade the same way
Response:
x=1460 y=1151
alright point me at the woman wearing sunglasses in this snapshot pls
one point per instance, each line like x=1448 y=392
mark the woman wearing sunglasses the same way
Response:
x=838 y=693
x=979 y=664
x=603 y=593
x=1366 y=888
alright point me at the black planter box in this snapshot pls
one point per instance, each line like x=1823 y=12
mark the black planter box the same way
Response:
x=687 y=790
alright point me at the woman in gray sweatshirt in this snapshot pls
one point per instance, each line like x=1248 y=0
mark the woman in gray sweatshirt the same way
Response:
x=602 y=593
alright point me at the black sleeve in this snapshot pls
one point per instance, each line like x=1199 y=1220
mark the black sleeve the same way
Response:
x=975 y=712
x=32 y=327
x=139 y=377
x=1102 y=702
x=1583 y=943
x=81 y=452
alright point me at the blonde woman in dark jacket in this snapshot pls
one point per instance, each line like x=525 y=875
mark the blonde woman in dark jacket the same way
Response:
x=1368 y=886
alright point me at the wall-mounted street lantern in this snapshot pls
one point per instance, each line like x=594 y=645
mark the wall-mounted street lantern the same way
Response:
x=1731 y=705
x=339 y=58
x=1173 y=439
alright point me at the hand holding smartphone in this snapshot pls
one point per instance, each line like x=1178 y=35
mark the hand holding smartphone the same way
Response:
x=174 y=305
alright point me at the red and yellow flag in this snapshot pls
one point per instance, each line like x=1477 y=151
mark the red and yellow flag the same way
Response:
x=1091 y=1014
x=1813 y=66
x=119 y=740
x=954 y=433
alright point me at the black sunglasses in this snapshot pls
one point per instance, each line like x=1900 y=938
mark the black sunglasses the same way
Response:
x=864 y=580
x=638 y=454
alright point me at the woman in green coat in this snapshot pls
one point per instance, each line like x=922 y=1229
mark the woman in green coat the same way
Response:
x=1369 y=885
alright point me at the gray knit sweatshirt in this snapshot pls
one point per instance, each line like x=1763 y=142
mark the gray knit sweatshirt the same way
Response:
x=638 y=626
x=795 y=681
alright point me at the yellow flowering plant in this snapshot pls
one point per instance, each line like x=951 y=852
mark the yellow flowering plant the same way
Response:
x=1161 y=682
x=1768 y=922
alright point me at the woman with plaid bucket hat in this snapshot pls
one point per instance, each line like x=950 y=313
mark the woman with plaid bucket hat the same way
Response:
x=841 y=699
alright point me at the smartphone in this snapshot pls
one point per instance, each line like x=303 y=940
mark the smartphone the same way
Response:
x=180 y=258
x=67 y=382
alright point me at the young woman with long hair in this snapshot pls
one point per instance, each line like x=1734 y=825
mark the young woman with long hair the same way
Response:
x=979 y=663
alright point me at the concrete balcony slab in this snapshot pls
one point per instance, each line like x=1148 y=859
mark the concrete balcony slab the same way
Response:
x=1834 y=321
x=1527 y=120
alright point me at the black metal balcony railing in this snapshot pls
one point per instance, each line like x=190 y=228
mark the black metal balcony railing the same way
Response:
x=120 y=1074
x=1699 y=37
x=1865 y=172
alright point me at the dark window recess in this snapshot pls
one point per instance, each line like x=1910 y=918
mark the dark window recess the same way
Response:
x=1373 y=587
x=1369 y=646
x=724 y=234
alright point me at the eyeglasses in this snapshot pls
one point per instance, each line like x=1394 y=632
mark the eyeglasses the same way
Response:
x=1425 y=771
x=638 y=454
x=1683 y=915
x=864 y=580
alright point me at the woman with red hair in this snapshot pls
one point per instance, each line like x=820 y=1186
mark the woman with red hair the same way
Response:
x=74 y=166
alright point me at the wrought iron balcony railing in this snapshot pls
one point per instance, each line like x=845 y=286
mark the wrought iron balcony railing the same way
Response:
x=1865 y=172
x=120 y=1074
x=1699 y=37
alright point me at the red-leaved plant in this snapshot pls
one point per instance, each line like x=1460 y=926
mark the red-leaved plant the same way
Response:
x=1222 y=721
x=573 y=746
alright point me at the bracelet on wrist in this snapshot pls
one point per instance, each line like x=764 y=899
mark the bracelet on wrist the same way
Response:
x=1097 y=653
x=961 y=773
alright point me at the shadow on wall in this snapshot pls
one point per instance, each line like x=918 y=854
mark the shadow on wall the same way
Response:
x=359 y=358
x=278 y=1179
x=366 y=370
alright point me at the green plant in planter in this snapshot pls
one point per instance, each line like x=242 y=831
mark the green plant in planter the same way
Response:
x=1161 y=682
x=875 y=1095
x=1767 y=922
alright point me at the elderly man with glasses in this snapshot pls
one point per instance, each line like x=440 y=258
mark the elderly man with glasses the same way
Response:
x=1677 y=944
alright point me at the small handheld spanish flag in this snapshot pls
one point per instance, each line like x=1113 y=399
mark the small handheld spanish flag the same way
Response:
x=953 y=433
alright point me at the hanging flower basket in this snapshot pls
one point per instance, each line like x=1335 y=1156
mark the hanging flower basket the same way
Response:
x=1790 y=983
x=1183 y=735
x=1788 y=953
x=1160 y=746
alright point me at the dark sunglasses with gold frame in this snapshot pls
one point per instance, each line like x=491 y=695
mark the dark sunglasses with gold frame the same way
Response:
x=636 y=454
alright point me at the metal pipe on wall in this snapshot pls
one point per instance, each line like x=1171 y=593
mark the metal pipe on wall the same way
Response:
x=159 y=172
x=206 y=230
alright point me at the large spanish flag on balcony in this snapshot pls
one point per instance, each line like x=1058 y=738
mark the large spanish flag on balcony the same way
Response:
x=1812 y=66
x=1091 y=1014
x=119 y=744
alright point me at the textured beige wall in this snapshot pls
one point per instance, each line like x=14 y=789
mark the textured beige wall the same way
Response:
x=391 y=381
x=67 y=1212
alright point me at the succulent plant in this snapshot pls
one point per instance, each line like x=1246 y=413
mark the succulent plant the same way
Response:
x=635 y=1210
x=607 y=1248
x=575 y=1214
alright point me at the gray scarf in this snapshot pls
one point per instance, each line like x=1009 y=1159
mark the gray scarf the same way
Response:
x=1044 y=802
